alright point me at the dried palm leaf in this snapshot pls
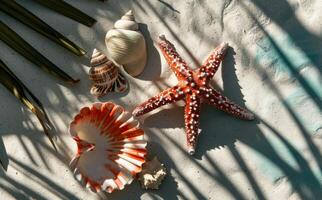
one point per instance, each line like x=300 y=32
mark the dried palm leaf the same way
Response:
x=68 y=10
x=19 y=90
x=16 y=42
x=12 y=8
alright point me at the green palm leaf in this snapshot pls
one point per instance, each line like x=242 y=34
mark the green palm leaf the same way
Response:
x=19 y=90
x=12 y=8
x=67 y=10
x=16 y=42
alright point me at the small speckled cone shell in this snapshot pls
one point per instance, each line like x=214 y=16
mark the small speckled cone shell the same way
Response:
x=126 y=45
x=110 y=147
x=105 y=75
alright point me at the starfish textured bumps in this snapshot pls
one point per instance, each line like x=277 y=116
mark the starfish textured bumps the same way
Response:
x=193 y=87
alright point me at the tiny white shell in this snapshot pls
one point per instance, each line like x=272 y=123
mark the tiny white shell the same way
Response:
x=152 y=174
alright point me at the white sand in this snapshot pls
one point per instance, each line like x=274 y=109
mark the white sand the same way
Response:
x=277 y=158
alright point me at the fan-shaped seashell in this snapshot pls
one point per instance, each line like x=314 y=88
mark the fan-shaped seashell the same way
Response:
x=110 y=147
x=105 y=75
x=152 y=174
x=126 y=45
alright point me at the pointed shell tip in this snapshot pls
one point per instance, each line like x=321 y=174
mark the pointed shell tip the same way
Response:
x=95 y=51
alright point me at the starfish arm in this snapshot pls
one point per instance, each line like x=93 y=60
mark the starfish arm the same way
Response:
x=211 y=65
x=176 y=63
x=192 y=115
x=167 y=96
x=223 y=103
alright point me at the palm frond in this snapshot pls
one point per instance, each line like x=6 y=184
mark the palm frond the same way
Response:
x=16 y=42
x=12 y=8
x=68 y=10
x=19 y=90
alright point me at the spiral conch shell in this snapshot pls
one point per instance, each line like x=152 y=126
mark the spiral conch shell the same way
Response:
x=105 y=75
x=126 y=45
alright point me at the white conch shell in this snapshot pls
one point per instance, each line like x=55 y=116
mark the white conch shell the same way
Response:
x=127 y=22
x=152 y=174
x=126 y=45
x=105 y=75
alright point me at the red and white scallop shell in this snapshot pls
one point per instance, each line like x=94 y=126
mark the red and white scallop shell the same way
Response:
x=110 y=147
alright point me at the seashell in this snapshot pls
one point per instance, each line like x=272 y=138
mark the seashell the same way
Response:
x=152 y=174
x=105 y=75
x=110 y=147
x=126 y=45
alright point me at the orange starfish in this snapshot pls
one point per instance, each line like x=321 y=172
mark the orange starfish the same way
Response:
x=193 y=86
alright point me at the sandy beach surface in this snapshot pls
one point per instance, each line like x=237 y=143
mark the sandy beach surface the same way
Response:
x=273 y=67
